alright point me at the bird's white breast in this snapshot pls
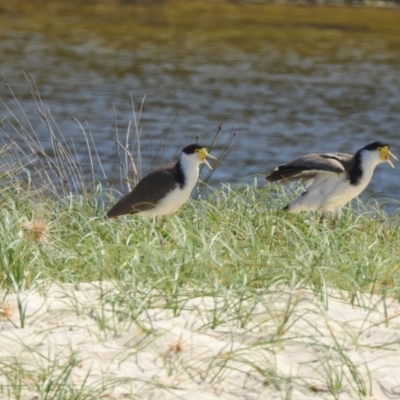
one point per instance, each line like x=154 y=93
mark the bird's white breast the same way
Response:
x=179 y=196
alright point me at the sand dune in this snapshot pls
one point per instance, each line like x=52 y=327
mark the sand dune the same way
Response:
x=288 y=345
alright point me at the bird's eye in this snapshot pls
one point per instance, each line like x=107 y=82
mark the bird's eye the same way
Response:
x=197 y=150
x=379 y=148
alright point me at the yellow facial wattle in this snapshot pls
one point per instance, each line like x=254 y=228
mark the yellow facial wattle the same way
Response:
x=385 y=153
x=203 y=155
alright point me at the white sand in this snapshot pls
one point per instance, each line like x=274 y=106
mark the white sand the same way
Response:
x=314 y=352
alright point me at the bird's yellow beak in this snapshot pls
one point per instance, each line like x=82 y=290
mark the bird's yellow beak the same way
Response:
x=385 y=153
x=203 y=155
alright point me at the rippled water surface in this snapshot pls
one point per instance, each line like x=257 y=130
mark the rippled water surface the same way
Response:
x=286 y=79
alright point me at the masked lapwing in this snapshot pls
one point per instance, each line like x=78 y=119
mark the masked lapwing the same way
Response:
x=331 y=180
x=164 y=190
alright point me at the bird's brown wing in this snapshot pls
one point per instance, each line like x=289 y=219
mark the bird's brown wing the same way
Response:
x=307 y=167
x=146 y=194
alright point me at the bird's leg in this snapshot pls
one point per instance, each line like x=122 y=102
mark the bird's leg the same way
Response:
x=161 y=221
x=336 y=218
x=159 y=226
x=322 y=218
x=158 y=229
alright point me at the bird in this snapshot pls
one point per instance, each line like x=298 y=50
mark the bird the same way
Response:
x=332 y=179
x=164 y=190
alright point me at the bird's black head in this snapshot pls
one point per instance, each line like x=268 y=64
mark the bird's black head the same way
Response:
x=382 y=149
x=191 y=149
x=375 y=146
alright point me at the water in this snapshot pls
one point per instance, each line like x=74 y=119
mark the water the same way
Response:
x=288 y=80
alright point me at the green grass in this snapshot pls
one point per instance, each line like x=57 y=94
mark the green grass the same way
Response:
x=236 y=238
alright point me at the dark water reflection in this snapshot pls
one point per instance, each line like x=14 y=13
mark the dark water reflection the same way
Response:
x=287 y=79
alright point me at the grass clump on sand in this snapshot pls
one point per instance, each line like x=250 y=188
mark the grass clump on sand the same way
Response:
x=237 y=238
x=207 y=299
x=219 y=257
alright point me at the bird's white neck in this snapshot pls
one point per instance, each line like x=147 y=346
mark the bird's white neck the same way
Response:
x=369 y=160
x=190 y=168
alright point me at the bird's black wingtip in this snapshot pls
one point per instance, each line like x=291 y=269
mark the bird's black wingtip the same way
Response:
x=274 y=176
x=109 y=216
x=112 y=212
